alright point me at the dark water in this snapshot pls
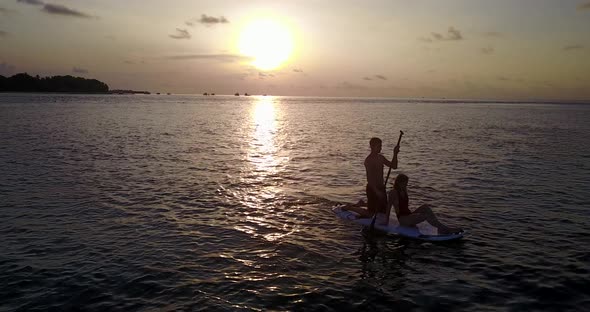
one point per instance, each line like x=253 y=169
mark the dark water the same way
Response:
x=143 y=203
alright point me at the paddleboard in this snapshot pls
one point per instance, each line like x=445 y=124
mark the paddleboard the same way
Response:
x=422 y=231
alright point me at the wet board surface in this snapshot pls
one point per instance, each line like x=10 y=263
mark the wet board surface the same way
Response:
x=422 y=231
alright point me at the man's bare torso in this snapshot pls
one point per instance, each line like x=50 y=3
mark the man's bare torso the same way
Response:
x=374 y=168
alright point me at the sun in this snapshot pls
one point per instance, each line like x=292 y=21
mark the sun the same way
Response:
x=268 y=42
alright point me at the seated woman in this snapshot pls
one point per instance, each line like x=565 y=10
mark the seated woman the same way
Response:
x=398 y=198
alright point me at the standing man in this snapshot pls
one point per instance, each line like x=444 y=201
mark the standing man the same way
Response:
x=376 y=195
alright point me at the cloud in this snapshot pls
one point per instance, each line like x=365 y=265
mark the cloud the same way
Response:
x=380 y=77
x=239 y=76
x=452 y=34
x=6 y=69
x=584 y=6
x=350 y=86
x=133 y=62
x=437 y=36
x=210 y=20
x=217 y=57
x=262 y=75
x=207 y=20
x=63 y=10
x=57 y=9
x=32 y=2
x=181 y=34
x=78 y=70
x=573 y=47
x=508 y=79
x=487 y=50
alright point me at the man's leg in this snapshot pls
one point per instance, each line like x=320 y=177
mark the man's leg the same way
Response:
x=364 y=213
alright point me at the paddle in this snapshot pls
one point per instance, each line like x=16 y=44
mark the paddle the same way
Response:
x=372 y=226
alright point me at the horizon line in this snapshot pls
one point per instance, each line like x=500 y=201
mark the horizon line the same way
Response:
x=415 y=99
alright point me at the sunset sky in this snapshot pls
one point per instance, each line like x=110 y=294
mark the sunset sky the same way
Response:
x=501 y=49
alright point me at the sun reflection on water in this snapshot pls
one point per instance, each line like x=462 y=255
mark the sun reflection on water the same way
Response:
x=264 y=213
x=263 y=145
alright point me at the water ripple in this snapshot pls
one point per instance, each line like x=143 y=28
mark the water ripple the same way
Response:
x=221 y=203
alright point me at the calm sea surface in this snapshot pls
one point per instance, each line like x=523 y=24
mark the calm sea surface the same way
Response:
x=144 y=203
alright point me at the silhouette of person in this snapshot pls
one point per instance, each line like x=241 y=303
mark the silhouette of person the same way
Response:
x=398 y=198
x=376 y=194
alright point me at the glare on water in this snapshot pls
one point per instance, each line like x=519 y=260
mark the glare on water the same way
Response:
x=263 y=169
x=262 y=144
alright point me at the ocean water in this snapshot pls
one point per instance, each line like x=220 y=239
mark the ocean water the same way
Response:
x=149 y=203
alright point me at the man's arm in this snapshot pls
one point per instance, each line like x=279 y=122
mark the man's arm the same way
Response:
x=392 y=164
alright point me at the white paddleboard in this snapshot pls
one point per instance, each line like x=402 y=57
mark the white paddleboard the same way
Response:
x=422 y=231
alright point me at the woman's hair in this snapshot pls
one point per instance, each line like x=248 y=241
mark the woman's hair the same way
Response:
x=401 y=178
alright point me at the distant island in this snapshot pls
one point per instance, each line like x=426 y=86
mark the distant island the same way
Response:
x=128 y=92
x=24 y=82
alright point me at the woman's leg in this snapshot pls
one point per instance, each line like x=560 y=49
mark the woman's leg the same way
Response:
x=412 y=219
x=426 y=213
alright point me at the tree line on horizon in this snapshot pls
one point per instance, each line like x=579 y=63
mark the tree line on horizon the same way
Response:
x=24 y=82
